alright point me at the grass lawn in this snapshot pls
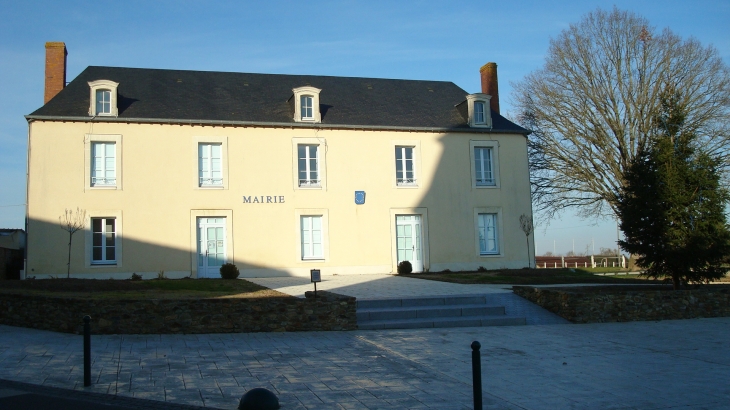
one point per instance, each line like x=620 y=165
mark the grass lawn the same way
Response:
x=144 y=289
x=533 y=277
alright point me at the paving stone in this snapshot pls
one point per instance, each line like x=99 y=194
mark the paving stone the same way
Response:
x=616 y=365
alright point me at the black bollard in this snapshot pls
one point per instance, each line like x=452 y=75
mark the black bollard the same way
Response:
x=259 y=399
x=476 y=372
x=87 y=351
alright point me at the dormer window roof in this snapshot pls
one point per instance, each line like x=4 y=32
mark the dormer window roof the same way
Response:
x=478 y=108
x=306 y=104
x=103 y=98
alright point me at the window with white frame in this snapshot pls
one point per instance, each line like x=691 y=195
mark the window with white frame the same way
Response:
x=483 y=167
x=210 y=172
x=103 y=98
x=104 y=240
x=306 y=104
x=479 y=117
x=103 y=164
x=487 y=230
x=103 y=102
x=306 y=107
x=405 y=170
x=311 y=234
x=308 y=165
x=478 y=110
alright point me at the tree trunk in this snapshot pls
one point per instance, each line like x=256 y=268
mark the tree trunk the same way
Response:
x=68 y=265
x=676 y=282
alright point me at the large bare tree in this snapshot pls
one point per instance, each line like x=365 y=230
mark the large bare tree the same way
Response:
x=590 y=107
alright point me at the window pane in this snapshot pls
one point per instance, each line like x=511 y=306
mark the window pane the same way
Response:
x=96 y=254
x=398 y=152
x=479 y=113
x=110 y=253
x=313 y=166
x=302 y=170
x=488 y=241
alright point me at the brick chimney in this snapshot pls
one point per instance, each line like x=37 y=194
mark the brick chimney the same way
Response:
x=489 y=84
x=55 y=69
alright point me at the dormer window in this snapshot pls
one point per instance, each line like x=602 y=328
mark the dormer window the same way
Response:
x=479 y=117
x=306 y=107
x=103 y=98
x=103 y=102
x=478 y=109
x=306 y=103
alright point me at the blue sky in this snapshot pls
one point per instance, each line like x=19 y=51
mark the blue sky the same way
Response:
x=425 y=40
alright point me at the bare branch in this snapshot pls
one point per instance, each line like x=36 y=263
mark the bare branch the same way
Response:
x=72 y=221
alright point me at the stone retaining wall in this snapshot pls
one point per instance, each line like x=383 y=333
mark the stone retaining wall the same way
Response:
x=329 y=311
x=613 y=304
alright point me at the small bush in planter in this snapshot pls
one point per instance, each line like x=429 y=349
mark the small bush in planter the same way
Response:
x=404 y=268
x=229 y=271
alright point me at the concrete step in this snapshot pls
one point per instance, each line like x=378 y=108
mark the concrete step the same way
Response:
x=421 y=312
x=422 y=301
x=432 y=311
x=473 y=321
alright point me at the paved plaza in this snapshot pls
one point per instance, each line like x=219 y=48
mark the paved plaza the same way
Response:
x=638 y=365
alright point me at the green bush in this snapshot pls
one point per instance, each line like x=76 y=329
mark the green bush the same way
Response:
x=404 y=268
x=135 y=277
x=229 y=271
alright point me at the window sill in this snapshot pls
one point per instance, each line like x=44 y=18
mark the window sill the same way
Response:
x=486 y=186
x=313 y=259
x=407 y=186
x=102 y=264
x=103 y=187
x=213 y=187
x=490 y=255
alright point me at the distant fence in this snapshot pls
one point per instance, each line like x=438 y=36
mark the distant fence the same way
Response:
x=593 y=261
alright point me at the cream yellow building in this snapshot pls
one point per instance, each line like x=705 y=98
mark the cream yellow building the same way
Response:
x=180 y=171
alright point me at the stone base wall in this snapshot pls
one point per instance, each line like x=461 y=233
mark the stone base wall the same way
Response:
x=581 y=305
x=329 y=311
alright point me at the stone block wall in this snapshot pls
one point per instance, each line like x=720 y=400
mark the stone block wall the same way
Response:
x=614 y=304
x=329 y=311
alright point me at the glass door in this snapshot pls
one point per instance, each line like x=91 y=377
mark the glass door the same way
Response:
x=211 y=246
x=408 y=240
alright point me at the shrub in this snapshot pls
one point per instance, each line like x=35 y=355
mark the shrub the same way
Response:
x=135 y=276
x=161 y=275
x=482 y=269
x=229 y=271
x=404 y=268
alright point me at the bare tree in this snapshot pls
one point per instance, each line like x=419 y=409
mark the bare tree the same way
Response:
x=72 y=222
x=527 y=228
x=590 y=107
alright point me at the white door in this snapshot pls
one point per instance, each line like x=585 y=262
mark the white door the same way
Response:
x=211 y=246
x=408 y=240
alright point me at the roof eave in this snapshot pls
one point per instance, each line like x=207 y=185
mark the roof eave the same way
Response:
x=30 y=118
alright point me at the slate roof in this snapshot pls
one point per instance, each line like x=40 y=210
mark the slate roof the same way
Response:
x=206 y=96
